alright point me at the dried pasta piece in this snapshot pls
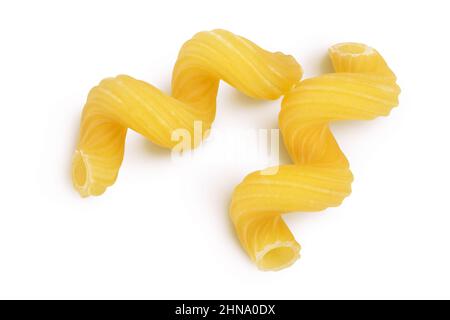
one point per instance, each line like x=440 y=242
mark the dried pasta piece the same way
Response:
x=362 y=88
x=123 y=102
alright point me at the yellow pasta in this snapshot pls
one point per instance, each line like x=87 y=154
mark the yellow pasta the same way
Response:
x=363 y=87
x=119 y=103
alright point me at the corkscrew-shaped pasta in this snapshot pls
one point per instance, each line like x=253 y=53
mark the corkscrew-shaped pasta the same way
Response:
x=362 y=88
x=119 y=103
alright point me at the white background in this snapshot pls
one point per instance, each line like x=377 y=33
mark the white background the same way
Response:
x=162 y=230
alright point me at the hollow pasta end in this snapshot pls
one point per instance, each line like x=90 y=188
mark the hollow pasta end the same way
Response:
x=277 y=256
x=80 y=174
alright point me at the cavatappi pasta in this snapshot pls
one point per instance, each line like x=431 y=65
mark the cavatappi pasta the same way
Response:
x=362 y=88
x=123 y=102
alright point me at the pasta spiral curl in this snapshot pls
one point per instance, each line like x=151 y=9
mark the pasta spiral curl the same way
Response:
x=123 y=102
x=362 y=88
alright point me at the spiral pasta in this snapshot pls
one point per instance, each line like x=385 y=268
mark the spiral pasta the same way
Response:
x=362 y=88
x=119 y=103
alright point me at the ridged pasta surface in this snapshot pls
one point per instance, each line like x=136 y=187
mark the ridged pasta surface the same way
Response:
x=362 y=88
x=123 y=102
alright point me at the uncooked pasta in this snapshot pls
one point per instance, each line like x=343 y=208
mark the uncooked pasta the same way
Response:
x=123 y=102
x=362 y=88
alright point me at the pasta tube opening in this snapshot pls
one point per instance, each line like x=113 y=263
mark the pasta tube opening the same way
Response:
x=84 y=181
x=278 y=256
x=362 y=88
x=352 y=48
x=79 y=173
x=352 y=57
